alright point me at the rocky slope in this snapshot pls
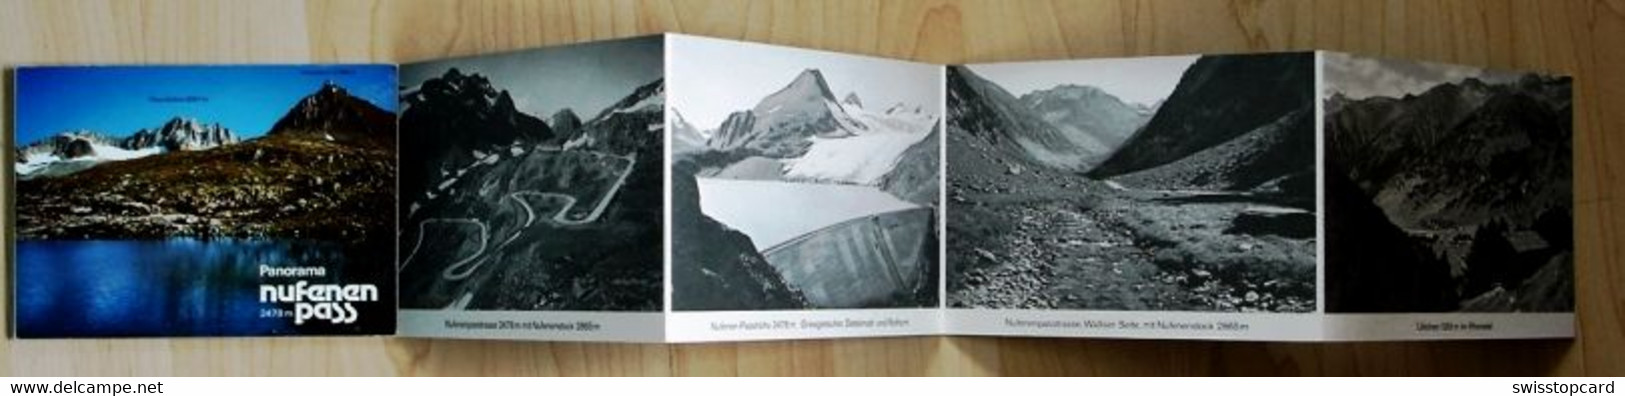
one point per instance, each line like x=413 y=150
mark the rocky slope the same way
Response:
x=988 y=112
x=333 y=114
x=916 y=176
x=438 y=115
x=1218 y=99
x=565 y=124
x=1460 y=153
x=715 y=267
x=633 y=125
x=1274 y=159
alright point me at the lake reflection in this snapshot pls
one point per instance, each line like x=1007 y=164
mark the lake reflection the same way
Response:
x=172 y=287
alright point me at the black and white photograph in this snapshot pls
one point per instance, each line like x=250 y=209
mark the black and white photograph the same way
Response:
x=1448 y=188
x=802 y=179
x=1173 y=183
x=533 y=180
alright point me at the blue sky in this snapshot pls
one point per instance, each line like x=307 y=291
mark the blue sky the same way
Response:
x=119 y=100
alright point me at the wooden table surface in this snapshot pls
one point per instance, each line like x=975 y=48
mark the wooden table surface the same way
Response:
x=1583 y=38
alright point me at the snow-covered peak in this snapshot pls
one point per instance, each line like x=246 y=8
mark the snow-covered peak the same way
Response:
x=807 y=90
x=648 y=98
x=685 y=137
x=180 y=134
x=73 y=151
x=682 y=123
x=852 y=101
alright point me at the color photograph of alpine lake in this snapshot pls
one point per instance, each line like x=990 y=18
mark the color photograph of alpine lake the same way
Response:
x=1448 y=188
x=161 y=201
x=1178 y=183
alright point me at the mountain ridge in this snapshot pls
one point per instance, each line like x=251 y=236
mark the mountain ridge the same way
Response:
x=778 y=125
x=1206 y=110
x=333 y=114
x=988 y=112
x=73 y=151
x=1093 y=119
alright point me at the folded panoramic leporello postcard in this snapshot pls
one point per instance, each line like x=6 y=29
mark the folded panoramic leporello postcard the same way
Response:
x=204 y=200
x=674 y=188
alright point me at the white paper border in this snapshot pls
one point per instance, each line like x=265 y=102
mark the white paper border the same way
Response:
x=1159 y=325
x=611 y=326
x=714 y=326
x=1448 y=326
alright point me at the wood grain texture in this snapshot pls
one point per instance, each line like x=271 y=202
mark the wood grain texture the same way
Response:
x=1582 y=38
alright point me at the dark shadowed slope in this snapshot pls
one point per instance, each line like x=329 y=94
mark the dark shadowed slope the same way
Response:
x=1218 y=99
x=990 y=113
x=449 y=117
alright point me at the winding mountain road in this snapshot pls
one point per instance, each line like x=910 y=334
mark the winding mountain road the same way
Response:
x=465 y=267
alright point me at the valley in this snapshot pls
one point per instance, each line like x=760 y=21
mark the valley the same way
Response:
x=1056 y=240
x=1042 y=218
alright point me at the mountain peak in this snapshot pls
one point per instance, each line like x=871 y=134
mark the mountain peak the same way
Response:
x=179 y=134
x=331 y=113
x=504 y=102
x=808 y=89
x=780 y=123
x=1070 y=87
x=1068 y=92
x=649 y=97
x=565 y=114
x=852 y=100
x=328 y=86
x=178 y=122
x=565 y=123
x=812 y=79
